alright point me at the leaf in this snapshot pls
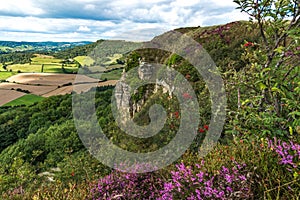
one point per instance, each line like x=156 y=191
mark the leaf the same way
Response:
x=275 y=89
x=262 y=86
x=279 y=50
x=245 y=102
x=266 y=69
x=294 y=113
x=291 y=130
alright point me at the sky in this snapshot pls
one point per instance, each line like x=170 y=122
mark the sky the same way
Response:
x=91 y=20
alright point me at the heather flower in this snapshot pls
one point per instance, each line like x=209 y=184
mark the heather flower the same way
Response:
x=195 y=183
x=119 y=185
x=289 y=53
x=288 y=153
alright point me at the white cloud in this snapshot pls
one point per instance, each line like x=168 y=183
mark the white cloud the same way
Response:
x=84 y=29
x=23 y=7
x=96 y=19
x=89 y=7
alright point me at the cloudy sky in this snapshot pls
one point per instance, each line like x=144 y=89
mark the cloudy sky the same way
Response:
x=90 y=20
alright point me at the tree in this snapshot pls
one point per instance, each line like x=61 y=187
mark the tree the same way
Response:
x=4 y=66
x=271 y=82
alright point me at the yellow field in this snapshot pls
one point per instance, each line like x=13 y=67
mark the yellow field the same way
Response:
x=84 y=60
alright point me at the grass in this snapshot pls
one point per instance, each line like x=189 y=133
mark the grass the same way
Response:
x=112 y=75
x=117 y=66
x=25 y=67
x=48 y=68
x=6 y=75
x=84 y=60
x=45 y=60
x=27 y=99
x=113 y=59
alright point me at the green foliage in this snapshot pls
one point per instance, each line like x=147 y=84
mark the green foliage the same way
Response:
x=20 y=58
x=20 y=122
x=268 y=98
x=132 y=61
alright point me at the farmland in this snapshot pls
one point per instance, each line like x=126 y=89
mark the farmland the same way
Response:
x=46 y=76
x=112 y=75
x=27 y=99
x=9 y=95
x=42 y=63
x=5 y=75
x=46 y=85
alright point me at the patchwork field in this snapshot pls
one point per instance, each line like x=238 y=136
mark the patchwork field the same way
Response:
x=45 y=85
x=9 y=95
x=33 y=89
x=27 y=99
x=47 y=79
x=44 y=63
x=112 y=75
x=47 y=76
x=78 y=88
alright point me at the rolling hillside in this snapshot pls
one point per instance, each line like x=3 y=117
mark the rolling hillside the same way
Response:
x=256 y=157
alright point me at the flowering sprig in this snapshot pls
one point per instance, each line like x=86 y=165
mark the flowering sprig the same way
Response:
x=195 y=183
x=118 y=185
x=288 y=153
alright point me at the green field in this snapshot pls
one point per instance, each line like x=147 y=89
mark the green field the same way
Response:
x=84 y=60
x=112 y=75
x=25 y=68
x=51 y=65
x=27 y=99
x=6 y=75
x=117 y=66
x=46 y=60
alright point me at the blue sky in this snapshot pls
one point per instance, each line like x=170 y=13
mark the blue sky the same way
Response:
x=90 y=20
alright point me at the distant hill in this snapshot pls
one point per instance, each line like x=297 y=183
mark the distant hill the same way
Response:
x=11 y=46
